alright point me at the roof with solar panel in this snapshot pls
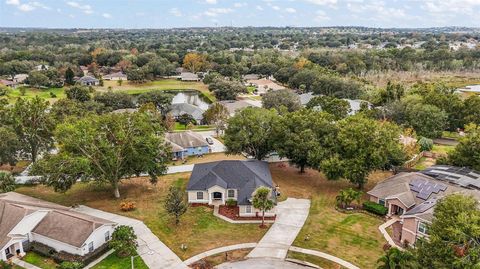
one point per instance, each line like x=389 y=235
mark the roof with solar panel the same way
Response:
x=461 y=176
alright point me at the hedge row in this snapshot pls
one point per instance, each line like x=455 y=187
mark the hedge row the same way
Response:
x=375 y=208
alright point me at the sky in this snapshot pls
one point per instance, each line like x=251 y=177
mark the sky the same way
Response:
x=238 y=13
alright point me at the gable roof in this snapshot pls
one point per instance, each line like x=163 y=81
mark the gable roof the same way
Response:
x=183 y=108
x=244 y=176
x=186 y=139
x=60 y=223
x=189 y=76
x=88 y=79
x=115 y=75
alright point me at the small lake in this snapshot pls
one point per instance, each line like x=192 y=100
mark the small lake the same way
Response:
x=191 y=97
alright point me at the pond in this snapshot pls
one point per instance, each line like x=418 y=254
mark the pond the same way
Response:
x=190 y=97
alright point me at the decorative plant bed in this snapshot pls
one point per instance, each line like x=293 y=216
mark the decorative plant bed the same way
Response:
x=200 y=204
x=233 y=212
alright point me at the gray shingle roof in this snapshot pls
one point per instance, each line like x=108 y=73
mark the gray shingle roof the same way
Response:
x=184 y=108
x=186 y=139
x=88 y=79
x=244 y=176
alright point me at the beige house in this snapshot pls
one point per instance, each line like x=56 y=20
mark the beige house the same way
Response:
x=115 y=76
x=216 y=182
x=412 y=197
x=24 y=220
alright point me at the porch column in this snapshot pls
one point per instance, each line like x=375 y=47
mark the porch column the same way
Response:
x=3 y=256
x=22 y=252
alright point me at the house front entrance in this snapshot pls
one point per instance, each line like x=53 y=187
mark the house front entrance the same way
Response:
x=217 y=195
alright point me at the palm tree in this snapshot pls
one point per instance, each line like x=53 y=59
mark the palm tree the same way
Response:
x=397 y=259
x=262 y=200
x=347 y=196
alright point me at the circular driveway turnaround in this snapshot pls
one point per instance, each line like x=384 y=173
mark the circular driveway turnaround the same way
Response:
x=261 y=263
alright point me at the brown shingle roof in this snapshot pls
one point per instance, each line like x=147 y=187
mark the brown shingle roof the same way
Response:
x=10 y=216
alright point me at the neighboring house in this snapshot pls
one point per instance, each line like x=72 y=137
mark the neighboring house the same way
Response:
x=8 y=83
x=88 y=81
x=264 y=85
x=20 y=78
x=413 y=196
x=42 y=67
x=305 y=98
x=84 y=70
x=188 y=76
x=179 y=109
x=187 y=144
x=215 y=182
x=251 y=77
x=24 y=220
x=235 y=106
x=115 y=76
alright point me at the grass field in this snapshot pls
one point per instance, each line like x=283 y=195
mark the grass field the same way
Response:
x=40 y=261
x=199 y=230
x=442 y=149
x=352 y=237
x=112 y=261
x=50 y=94
x=180 y=127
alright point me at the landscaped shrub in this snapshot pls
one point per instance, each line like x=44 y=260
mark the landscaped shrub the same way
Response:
x=127 y=206
x=231 y=202
x=5 y=265
x=70 y=265
x=426 y=144
x=375 y=208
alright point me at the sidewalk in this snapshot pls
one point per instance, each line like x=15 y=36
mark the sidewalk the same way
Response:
x=154 y=253
x=24 y=264
x=291 y=215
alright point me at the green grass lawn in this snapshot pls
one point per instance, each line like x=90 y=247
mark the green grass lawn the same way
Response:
x=112 y=261
x=199 y=230
x=181 y=127
x=14 y=94
x=323 y=263
x=442 y=149
x=40 y=261
x=352 y=237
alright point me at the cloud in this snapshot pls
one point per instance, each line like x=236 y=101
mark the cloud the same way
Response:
x=13 y=2
x=259 y=8
x=213 y=12
x=323 y=2
x=87 y=9
x=275 y=7
x=175 y=12
x=107 y=15
x=211 y=2
x=40 y=5
x=321 y=16
x=23 y=7
x=290 y=10
x=26 y=7
x=238 y=5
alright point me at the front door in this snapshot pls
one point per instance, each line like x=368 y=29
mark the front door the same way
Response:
x=217 y=195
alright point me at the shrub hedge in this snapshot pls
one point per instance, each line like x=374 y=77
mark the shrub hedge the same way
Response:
x=375 y=208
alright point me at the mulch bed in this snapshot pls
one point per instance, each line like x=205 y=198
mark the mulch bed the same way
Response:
x=233 y=212
x=200 y=204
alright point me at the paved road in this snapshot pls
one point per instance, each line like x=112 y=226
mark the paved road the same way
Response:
x=261 y=264
x=291 y=215
x=154 y=253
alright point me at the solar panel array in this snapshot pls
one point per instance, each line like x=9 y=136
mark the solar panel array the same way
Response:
x=425 y=188
x=461 y=176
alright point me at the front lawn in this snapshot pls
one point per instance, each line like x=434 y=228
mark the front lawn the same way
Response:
x=352 y=237
x=39 y=260
x=199 y=230
x=181 y=128
x=211 y=157
x=112 y=261
x=50 y=94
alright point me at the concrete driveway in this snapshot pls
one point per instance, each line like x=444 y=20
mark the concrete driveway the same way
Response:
x=291 y=215
x=217 y=145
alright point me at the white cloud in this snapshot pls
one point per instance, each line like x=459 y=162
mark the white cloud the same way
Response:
x=87 y=9
x=175 y=12
x=40 y=5
x=322 y=2
x=290 y=10
x=26 y=7
x=107 y=15
x=259 y=8
x=238 y=5
x=213 y=12
x=321 y=16
x=13 y=2
x=212 y=2
x=276 y=7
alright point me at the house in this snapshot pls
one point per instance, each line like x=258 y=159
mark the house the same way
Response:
x=84 y=70
x=412 y=197
x=179 y=109
x=187 y=144
x=20 y=78
x=216 y=182
x=235 y=106
x=115 y=76
x=188 y=76
x=25 y=221
x=42 y=67
x=264 y=85
x=251 y=77
x=88 y=81
x=355 y=105
x=8 y=83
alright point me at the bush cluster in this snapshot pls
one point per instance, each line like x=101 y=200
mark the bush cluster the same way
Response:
x=375 y=208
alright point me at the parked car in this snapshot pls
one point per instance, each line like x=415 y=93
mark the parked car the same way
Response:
x=209 y=140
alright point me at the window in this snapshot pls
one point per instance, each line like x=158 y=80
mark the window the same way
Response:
x=107 y=236
x=231 y=193
x=381 y=201
x=423 y=228
x=90 y=247
x=248 y=209
x=200 y=195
